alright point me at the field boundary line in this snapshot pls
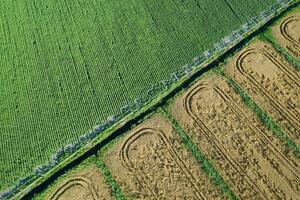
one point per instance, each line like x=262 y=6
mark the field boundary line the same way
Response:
x=268 y=37
x=213 y=139
x=206 y=165
x=290 y=116
x=103 y=132
x=83 y=182
x=263 y=116
x=109 y=179
x=235 y=108
x=174 y=156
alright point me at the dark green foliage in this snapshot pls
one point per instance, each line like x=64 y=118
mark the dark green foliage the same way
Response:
x=68 y=65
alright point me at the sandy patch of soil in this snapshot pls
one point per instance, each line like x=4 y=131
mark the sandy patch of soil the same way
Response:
x=251 y=159
x=272 y=82
x=287 y=33
x=88 y=185
x=151 y=162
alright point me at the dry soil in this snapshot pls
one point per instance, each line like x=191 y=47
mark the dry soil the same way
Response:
x=250 y=158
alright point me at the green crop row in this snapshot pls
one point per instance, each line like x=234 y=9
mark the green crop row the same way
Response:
x=66 y=66
x=206 y=165
x=265 y=118
x=268 y=36
x=117 y=192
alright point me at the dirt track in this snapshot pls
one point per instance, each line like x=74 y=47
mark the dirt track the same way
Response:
x=152 y=163
x=287 y=33
x=88 y=185
x=248 y=156
x=272 y=82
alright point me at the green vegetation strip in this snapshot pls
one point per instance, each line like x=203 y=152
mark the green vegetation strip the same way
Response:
x=68 y=65
x=73 y=86
x=264 y=117
x=206 y=165
x=117 y=191
x=268 y=37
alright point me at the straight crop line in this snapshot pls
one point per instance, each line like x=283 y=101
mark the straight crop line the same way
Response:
x=206 y=165
x=109 y=179
x=23 y=189
x=264 y=117
x=268 y=37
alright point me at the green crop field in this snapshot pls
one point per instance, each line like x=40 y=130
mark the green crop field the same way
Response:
x=68 y=65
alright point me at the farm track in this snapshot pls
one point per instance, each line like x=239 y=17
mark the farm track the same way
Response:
x=87 y=184
x=73 y=69
x=159 y=139
x=261 y=135
x=159 y=167
x=242 y=151
x=84 y=183
x=287 y=34
x=274 y=85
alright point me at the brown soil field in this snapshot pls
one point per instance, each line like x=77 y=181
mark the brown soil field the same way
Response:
x=88 y=184
x=151 y=163
x=254 y=162
x=287 y=33
x=272 y=82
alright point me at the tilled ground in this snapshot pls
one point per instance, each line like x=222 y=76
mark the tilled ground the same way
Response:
x=250 y=158
x=151 y=162
x=88 y=184
x=287 y=33
x=272 y=82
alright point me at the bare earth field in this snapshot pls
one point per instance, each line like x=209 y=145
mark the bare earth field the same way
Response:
x=272 y=82
x=88 y=184
x=151 y=162
x=287 y=33
x=253 y=161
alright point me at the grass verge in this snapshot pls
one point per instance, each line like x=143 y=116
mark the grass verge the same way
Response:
x=36 y=185
x=109 y=179
x=206 y=165
x=263 y=116
x=268 y=37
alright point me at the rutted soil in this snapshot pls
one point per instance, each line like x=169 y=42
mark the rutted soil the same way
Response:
x=88 y=185
x=151 y=162
x=272 y=82
x=287 y=33
x=255 y=163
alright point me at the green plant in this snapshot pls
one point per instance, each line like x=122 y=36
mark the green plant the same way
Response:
x=206 y=165
x=264 y=117
x=117 y=191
